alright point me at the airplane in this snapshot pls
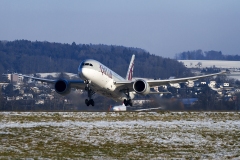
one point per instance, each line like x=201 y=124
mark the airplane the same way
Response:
x=95 y=77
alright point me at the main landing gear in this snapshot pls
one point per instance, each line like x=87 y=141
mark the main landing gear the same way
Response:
x=89 y=101
x=127 y=101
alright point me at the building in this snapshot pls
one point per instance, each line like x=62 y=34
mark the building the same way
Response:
x=7 y=76
x=13 y=78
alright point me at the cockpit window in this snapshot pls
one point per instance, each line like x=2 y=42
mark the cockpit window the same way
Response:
x=86 y=64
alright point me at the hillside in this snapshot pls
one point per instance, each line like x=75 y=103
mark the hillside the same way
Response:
x=23 y=56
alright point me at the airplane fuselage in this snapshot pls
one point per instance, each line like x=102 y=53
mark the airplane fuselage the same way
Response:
x=101 y=79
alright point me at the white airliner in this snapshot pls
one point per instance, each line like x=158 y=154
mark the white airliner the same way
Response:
x=97 y=78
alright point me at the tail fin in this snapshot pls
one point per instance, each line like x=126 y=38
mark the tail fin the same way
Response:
x=130 y=69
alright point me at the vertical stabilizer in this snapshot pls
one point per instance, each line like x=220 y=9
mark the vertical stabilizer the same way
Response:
x=130 y=69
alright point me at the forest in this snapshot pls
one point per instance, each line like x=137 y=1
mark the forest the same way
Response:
x=23 y=56
x=207 y=55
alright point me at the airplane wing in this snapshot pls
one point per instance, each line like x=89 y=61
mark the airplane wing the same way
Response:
x=40 y=79
x=153 y=83
x=129 y=84
x=78 y=84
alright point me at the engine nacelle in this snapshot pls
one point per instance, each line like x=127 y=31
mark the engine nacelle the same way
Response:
x=62 y=87
x=140 y=86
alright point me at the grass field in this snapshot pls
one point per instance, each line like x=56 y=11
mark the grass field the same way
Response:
x=122 y=135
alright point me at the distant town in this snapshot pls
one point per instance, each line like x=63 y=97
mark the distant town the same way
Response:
x=219 y=93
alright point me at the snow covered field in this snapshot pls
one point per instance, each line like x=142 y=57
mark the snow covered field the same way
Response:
x=122 y=135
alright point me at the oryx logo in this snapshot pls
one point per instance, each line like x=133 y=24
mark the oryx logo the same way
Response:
x=130 y=74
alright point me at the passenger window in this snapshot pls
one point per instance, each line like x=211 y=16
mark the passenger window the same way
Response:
x=86 y=64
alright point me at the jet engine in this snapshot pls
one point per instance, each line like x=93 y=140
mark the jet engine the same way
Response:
x=140 y=86
x=62 y=87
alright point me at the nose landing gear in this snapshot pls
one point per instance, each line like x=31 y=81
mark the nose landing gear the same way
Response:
x=89 y=101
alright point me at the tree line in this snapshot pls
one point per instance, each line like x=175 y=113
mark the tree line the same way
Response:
x=207 y=55
x=23 y=56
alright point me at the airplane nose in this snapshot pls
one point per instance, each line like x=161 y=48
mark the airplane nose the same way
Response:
x=82 y=73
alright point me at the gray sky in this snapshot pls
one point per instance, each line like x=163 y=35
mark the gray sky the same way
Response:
x=161 y=27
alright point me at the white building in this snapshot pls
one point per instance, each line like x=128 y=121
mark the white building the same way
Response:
x=212 y=84
x=225 y=84
x=203 y=82
x=14 y=77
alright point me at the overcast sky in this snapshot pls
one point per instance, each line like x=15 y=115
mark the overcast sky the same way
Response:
x=161 y=27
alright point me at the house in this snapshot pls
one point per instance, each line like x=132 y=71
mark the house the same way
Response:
x=203 y=82
x=7 y=76
x=156 y=89
x=14 y=78
x=10 y=98
x=190 y=84
x=20 y=78
x=3 y=84
x=21 y=91
x=27 y=96
x=237 y=90
x=175 y=85
x=46 y=96
x=19 y=98
x=35 y=89
x=41 y=101
x=219 y=92
x=212 y=84
x=225 y=84
x=16 y=87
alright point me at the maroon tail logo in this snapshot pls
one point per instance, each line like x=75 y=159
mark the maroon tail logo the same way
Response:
x=130 y=74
